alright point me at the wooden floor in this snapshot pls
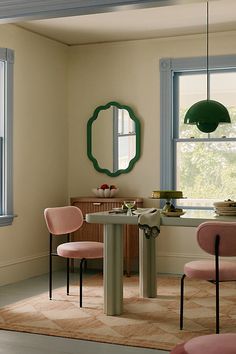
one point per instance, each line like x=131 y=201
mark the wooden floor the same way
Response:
x=23 y=343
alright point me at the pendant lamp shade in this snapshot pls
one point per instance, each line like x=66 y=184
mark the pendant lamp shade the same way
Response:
x=207 y=114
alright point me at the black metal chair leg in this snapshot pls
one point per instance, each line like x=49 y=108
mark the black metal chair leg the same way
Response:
x=68 y=270
x=182 y=302
x=217 y=308
x=81 y=281
x=217 y=283
x=68 y=276
x=50 y=267
x=85 y=265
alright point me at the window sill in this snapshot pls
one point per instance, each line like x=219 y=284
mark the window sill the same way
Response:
x=6 y=220
x=194 y=218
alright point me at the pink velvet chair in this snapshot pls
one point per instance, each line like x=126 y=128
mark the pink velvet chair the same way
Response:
x=64 y=221
x=209 y=344
x=219 y=239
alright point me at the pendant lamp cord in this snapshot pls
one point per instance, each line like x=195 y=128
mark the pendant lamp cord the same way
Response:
x=207 y=51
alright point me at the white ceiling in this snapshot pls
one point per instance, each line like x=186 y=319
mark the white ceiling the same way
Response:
x=137 y=24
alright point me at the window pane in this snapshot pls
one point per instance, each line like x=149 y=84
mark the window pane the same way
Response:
x=206 y=170
x=6 y=122
x=127 y=149
x=1 y=99
x=192 y=88
x=2 y=110
x=223 y=89
x=125 y=123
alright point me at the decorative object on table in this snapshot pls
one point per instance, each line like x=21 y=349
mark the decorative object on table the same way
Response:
x=149 y=222
x=207 y=114
x=106 y=191
x=226 y=208
x=129 y=204
x=168 y=195
x=176 y=212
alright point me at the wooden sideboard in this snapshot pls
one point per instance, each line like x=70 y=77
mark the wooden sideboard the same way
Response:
x=94 y=232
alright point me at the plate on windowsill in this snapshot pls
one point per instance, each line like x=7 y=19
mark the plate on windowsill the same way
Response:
x=225 y=213
x=173 y=213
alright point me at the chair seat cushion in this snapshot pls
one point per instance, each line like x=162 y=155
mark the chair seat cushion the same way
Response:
x=209 y=344
x=206 y=270
x=82 y=249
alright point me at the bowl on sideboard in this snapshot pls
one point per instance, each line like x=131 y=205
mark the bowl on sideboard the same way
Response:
x=105 y=193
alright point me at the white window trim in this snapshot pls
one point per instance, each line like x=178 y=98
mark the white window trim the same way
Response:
x=168 y=67
x=7 y=216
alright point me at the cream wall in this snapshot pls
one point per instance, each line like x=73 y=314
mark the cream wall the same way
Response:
x=40 y=149
x=128 y=72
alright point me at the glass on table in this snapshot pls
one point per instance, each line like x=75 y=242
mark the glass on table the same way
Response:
x=129 y=205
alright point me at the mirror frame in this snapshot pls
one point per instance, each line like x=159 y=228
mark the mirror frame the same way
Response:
x=89 y=139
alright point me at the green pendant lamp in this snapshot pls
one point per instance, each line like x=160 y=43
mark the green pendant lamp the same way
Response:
x=207 y=114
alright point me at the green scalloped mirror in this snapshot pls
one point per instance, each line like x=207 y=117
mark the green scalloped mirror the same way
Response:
x=113 y=139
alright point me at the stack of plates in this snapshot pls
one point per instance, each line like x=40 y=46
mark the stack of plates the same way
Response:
x=227 y=207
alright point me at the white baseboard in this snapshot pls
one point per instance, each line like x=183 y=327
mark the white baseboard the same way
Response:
x=31 y=266
x=23 y=268
x=173 y=263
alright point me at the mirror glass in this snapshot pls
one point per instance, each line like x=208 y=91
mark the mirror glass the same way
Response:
x=113 y=139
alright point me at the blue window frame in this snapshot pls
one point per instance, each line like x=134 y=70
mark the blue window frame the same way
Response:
x=6 y=145
x=197 y=163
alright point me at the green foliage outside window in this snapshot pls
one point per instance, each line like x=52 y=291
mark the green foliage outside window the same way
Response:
x=207 y=169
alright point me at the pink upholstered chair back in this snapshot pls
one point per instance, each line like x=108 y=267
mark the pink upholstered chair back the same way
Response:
x=206 y=234
x=63 y=220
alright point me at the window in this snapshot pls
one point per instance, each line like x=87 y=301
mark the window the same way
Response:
x=124 y=139
x=202 y=165
x=6 y=111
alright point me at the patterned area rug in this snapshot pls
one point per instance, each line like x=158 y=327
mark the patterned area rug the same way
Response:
x=150 y=323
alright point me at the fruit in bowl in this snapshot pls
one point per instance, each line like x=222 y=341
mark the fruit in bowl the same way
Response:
x=104 y=186
x=105 y=191
x=113 y=191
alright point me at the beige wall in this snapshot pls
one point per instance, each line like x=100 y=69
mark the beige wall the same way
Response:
x=128 y=72
x=40 y=149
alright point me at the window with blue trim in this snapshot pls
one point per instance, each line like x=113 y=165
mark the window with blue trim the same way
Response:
x=6 y=122
x=202 y=165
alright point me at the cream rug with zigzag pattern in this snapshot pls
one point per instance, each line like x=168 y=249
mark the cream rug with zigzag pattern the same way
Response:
x=150 y=323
